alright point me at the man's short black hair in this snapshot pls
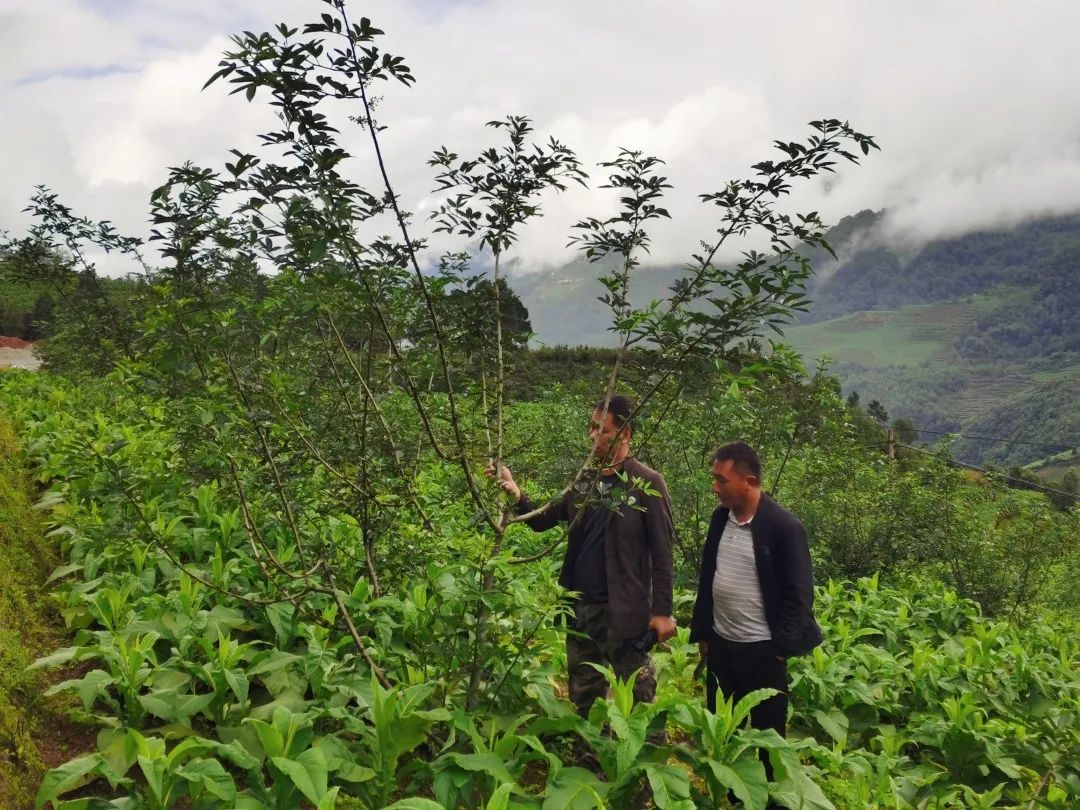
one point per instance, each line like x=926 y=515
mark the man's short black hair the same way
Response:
x=621 y=407
x=745 y=458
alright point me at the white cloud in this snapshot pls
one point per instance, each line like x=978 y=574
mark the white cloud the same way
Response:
x=972 y=103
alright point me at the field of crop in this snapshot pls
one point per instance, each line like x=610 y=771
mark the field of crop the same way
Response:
x=206 y=697
x=911 y=336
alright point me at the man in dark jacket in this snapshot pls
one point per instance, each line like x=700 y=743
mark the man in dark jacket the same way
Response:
x=618 y=558
x=755 y=599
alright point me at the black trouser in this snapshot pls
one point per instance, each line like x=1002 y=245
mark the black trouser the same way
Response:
x=738 y=668
x=597 y=645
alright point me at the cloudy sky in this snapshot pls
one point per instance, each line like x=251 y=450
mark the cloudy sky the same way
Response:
x=974 y=103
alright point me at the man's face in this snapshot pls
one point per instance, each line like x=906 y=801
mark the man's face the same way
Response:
x=730 y=485
x=605 y=437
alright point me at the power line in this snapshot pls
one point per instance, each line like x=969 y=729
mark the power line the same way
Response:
x=1058 y=447
x=1023 y=481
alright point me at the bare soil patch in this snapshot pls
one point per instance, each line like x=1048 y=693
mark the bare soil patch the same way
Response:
x=17 y=353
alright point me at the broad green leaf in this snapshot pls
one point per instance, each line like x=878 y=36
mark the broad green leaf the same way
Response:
x=795 y=789
x=633 y=740
x=745 y=777
x=188 y=747
x=484 y=762
x=163 y=707
x=233 y=752
x=250 y=803
x=94 y=683
x=271 y=740
x=67 y=777
x=173 y=706
x=270 y=661
x=415 y=803
x=64 y=656
x=351 y=772
x=329 y=801
x=575 y=789
x=118 y=748
x=63 y=571
x=238 y=681
x=282 y=618
x=153 y=770
x=500 y=799
x=307 y=772
x=834 y=722
x=193 y=704
x=210 y=776
x=745 y=706
x=670 y=787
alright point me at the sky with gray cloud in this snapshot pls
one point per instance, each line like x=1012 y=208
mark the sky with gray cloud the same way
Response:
x=974 y=103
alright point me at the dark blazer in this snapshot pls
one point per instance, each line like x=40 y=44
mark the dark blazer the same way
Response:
x=782 y=558
x=637 y=551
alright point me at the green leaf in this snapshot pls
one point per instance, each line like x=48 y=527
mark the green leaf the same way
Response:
x=118 y=748
x=271 y=740
x=307 y=772
x=485 y=762
x=746 y=779
x=670 y=787
x=63 y=656
x=415 y=803
x=746 y=705
x=282 y=618
x=239 y=683
x=795 y=789
x=329 y=801
x=63 y=571
x=575 y=789
x=210 y=776
x=250 y=803
x=233 y=752
x=351 y=772
x=270 y=661
x=89 y=687
x=500 y=799
x=835 y=724
x=171 y=706
x=67 y=777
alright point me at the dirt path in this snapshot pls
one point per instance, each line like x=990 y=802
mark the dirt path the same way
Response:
x=19 y=357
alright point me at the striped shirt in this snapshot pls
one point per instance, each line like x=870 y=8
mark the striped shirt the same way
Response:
x=738 y=608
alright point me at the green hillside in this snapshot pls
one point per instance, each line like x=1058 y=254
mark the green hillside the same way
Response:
x=909 y=336
x=908 y=359
x=975 y=334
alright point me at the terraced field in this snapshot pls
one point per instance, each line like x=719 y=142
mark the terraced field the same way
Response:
x=981 y=393
x=910 y=336
x=907 y=359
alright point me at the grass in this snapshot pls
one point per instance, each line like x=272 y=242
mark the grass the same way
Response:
x=25 y=631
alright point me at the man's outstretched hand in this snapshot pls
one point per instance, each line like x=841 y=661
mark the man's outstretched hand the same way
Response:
x=506 y=480
x=664 y=627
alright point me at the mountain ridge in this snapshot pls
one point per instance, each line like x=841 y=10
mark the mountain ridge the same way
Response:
x=953 y=334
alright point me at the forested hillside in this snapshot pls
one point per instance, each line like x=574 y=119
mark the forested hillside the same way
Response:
x=960 y=335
